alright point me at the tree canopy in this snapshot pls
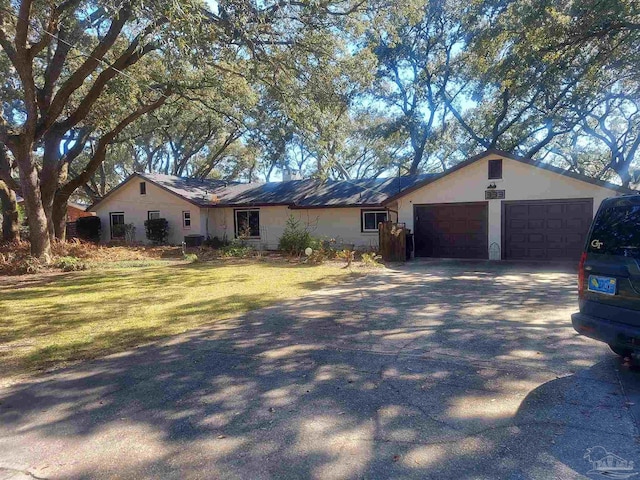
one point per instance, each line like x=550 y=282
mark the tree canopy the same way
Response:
x=93 y=91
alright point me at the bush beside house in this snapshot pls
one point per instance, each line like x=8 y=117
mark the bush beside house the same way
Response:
x=157 y=230
x=295 y=238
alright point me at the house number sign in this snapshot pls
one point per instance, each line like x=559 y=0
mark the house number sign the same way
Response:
x=493 y=194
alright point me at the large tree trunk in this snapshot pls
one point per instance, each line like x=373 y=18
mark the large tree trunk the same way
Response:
x=10 y=215
x=625 y=175
x=50 y=176
x=30 y=183
x=59 y=216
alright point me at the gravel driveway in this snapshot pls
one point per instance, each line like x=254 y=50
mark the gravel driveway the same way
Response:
x=430 y=370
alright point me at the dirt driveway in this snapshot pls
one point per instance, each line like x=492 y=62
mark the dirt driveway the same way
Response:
x=431 y=370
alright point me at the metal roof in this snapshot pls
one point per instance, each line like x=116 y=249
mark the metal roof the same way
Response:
x=313 y=193
x=310 y=193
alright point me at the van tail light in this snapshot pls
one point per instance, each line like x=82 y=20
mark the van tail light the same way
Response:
x=581 y=274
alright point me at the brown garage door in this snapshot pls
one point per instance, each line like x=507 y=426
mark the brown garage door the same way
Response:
x=546 y=229
x=451 y=230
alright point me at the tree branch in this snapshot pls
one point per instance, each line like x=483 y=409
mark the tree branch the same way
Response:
x=101 y=148
x=78 y=77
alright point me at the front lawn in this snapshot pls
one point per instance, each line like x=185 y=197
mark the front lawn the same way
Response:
x=48 y=321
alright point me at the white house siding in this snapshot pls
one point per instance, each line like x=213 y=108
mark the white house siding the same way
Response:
x=341 y=224
x=135 y=207
x=519 y=180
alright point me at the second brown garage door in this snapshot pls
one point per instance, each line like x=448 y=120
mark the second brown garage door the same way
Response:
x=546 y=229
x=451 y=230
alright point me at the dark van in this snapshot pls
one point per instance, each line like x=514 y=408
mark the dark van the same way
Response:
x=609 y=277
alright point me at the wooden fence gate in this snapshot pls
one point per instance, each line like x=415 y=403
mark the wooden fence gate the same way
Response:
x=392 y=239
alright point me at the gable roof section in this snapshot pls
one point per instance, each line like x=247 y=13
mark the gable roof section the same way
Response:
x=313 y=193
x=510 y=156
x=309 y=193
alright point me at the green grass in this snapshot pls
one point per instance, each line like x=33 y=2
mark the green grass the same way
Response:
x=49 y=321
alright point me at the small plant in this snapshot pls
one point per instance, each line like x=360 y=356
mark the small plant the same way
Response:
x=244 y=234
x=371 y=259
x=320 y=255
x=129 y=233
x=157 y=230
x=236 y=249
x=347 y=255
x=190 y=257
x=88 y=228
x=30 y=264
x=70 y=264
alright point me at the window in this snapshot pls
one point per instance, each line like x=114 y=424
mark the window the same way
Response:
x=143 y=188
x=186 y=219
x=616 y=231
x=371 y=219
x=116 y=221
x=153 y=214
x=248 y=223
x=495 y=169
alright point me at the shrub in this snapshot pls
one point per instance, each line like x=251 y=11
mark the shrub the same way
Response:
x=190 y=257
x=296 y=238
x=70 y=264
x=236 y=249
x=15 y=265
x=371 y=259
x=157 y=230
x=88 y=228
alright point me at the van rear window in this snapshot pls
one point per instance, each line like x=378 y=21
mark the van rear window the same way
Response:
x=617 y=231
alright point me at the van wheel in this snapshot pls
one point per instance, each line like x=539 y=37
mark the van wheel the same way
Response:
x=623 y=352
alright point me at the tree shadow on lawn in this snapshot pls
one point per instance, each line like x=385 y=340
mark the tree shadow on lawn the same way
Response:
x=412 y=376
x=151 y=287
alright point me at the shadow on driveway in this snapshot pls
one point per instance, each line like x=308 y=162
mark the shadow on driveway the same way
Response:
x=430 y=370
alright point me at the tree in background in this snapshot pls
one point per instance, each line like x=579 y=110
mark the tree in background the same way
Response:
x=92 y=91
x=615 y=122
x=537 y=68
x=8 y=199
x=59 y=92
x=415 y=62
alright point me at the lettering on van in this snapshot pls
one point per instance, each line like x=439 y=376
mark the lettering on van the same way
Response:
x=595 y=243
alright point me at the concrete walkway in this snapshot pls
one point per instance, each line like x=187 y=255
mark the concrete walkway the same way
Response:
x=431 y=370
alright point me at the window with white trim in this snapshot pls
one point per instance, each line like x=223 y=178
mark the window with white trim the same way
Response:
x=247 y=223
x=186 y=219
x=372 y=218
x=153 y=214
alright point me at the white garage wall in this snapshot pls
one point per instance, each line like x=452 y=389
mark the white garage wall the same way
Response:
x=342 y=224
x=519 y=180
x=135 y=207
